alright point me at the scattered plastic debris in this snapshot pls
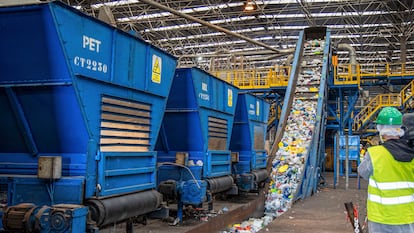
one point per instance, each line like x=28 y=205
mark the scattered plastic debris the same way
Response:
x=175 y=222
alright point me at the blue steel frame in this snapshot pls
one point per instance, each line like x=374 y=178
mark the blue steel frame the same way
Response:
x=250 y=123
x=195 y=96
x=51 y=90
x=194 y=99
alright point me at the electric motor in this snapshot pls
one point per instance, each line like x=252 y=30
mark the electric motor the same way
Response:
x=17 y=218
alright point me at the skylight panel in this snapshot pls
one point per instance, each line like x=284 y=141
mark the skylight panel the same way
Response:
x=238 y=19
x=211 y=44
x=144 y=17
x=192 y=37
x=173 y=27
x=323 y=15
x=115 y=3
x=165 y=14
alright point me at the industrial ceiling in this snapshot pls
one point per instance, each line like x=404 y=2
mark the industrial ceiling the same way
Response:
x=222 y=34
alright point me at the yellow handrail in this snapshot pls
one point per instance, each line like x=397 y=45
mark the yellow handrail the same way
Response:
x=277 y=76
x=376 y=103
x=383 y=100
x=407 y=93
x=346 y=74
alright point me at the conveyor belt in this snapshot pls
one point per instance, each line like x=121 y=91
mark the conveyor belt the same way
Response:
x=299 y=142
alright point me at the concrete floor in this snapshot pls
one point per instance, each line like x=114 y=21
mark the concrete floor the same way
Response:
x=323 y=212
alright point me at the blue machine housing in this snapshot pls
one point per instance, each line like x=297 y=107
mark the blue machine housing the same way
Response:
x=197 y=124
x=74 y=87
x=248 y=141
x=353 y=153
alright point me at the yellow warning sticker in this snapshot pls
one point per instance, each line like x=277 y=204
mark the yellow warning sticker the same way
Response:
x=257 y=108
x=229 y=97
x=156 y=69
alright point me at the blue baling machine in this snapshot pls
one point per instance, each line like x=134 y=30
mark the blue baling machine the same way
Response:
x=193 y=147
x=81 y=106
x=248 y=142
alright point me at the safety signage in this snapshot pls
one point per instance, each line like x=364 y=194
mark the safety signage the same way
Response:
x=156 y=69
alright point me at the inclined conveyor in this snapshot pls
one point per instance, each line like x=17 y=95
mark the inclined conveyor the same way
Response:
x=296 y=156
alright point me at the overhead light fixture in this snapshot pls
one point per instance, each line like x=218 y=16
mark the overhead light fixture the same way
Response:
x=250 y=5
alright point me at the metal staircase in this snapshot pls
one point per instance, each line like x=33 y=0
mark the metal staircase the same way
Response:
x=401 y=100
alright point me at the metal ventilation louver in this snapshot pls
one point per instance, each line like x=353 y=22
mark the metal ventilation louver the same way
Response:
x=217 y=133
x=125 y=125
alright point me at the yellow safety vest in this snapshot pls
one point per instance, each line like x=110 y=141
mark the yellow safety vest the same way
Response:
x=391 y=189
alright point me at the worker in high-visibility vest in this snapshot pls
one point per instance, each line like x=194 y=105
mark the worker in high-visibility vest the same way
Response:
x=389 y=167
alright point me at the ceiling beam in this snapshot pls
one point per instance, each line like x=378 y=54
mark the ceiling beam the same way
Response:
x=207 y=24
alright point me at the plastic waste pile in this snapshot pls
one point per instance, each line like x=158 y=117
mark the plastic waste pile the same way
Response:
x=250 y=226
x=288 y=165
x=287 y=168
